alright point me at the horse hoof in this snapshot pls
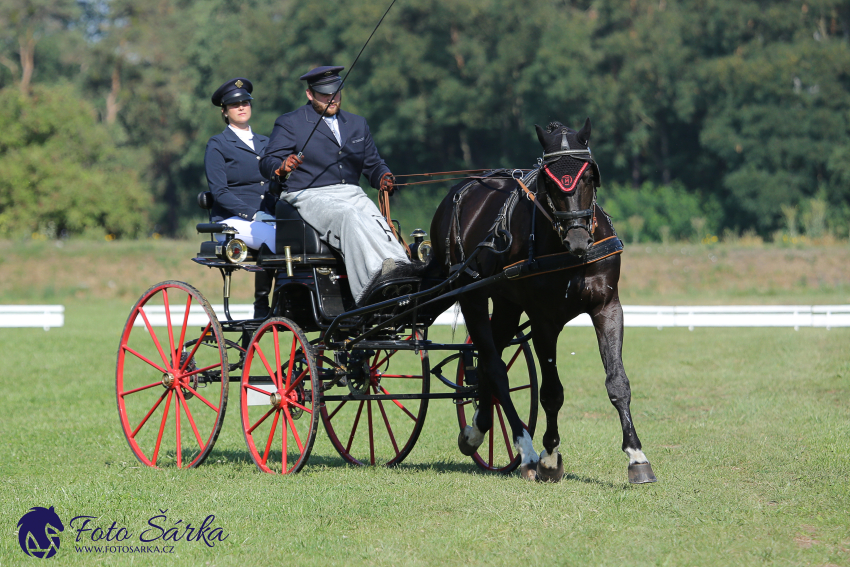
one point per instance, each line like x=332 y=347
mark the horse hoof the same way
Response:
x=641 y=473
x=528 y=472
x=546 y=474
x=465 y=447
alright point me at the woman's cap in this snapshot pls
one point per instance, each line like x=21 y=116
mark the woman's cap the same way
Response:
x=234 y=90
x=325 y=80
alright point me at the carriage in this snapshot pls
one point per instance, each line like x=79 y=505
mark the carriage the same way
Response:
x=365 y=373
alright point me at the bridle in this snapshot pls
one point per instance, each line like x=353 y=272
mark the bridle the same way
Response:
x=564 y=221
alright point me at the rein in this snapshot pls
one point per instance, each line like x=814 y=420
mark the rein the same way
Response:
x=384 y=205
x=429 y=181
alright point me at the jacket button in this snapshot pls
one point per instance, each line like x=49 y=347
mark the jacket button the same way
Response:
x=262 y=182
x=340 y=153
x=258 y=157
x=343 y=181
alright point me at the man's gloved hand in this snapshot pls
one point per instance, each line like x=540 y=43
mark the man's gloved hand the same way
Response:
x=387 y=183
x=288 y=165
x=260 y=216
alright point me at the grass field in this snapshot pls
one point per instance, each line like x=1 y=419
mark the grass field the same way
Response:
x=748 y=431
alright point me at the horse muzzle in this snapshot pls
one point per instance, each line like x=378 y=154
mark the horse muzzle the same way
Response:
x=576 y=235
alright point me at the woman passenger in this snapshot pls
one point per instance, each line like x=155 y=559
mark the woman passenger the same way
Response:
x=231 y=162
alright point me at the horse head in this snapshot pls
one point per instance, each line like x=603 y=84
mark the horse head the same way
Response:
x=567 y=182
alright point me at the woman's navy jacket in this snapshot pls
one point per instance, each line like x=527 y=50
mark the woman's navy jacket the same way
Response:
x=326 y=162
x=233 y=174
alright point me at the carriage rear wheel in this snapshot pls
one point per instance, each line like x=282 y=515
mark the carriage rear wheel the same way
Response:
x=497 y=453
x=380 y=432
x=172 y=377
x=279 y=397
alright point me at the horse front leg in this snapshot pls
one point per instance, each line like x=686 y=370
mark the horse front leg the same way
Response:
x=608 y=322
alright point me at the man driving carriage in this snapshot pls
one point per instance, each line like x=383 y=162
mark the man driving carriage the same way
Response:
x=322 y=184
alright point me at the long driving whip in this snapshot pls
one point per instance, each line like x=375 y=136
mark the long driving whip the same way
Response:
x=350 y=69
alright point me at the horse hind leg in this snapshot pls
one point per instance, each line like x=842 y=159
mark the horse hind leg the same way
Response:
x=470 y=437
x=550 y=467
x=504 y=323
x=474 y=309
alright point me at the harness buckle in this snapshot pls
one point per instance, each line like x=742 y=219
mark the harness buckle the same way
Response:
x=513 y=271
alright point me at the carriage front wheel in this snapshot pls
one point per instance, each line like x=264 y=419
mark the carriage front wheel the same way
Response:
x=279 y=397
x=172 y=377
x=496 y=453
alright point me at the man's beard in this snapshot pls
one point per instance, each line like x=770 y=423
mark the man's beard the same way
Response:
x=319 y=107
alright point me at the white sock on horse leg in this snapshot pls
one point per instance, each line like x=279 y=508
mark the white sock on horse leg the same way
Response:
x=525 y=448
x=549 y=461
x=472 y=434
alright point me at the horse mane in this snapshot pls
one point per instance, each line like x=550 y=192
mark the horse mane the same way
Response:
x=554 y=125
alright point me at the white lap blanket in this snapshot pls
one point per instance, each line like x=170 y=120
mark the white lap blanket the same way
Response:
x=349 y=221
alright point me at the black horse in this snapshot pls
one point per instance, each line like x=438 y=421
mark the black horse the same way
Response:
x=562 y=259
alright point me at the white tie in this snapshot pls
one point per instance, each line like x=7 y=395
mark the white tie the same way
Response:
x=331 y=122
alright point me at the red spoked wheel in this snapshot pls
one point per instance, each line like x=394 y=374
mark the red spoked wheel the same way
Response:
x=379 y=432
x=279 y=397
x=497 y=453
x=172 y=377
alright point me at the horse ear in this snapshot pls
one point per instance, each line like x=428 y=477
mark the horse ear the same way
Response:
x=583 y=135
x=541 y=135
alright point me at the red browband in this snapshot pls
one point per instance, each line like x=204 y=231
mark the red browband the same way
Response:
x=567 y=183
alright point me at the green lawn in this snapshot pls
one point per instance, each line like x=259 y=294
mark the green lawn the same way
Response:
x=748 y=431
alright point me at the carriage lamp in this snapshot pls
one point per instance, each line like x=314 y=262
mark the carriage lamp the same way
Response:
x=235 y=251
x=420 y=247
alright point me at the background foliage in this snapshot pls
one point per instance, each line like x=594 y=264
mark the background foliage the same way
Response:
x=731 y=112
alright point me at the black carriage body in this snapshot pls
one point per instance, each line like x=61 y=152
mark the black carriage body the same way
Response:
x=366 y=376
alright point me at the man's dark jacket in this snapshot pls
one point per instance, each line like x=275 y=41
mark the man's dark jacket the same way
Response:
x=325 y=161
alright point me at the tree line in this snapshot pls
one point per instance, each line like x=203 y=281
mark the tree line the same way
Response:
x=735 y=112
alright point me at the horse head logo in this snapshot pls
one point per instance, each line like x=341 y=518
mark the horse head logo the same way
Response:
x=38 y=532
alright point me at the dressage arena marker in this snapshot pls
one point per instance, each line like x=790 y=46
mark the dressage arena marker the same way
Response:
x=658 y=316
x=44 y=316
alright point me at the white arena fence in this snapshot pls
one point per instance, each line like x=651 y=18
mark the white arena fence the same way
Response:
x=44 y=316
x=660 y=317
x=796 y=316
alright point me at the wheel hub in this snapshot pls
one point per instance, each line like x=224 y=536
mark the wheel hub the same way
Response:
x=276 y=399
x=279 y=400
x=360 y=372
x=168 y=380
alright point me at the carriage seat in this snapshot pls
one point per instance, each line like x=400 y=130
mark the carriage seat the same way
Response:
x=292 y=231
